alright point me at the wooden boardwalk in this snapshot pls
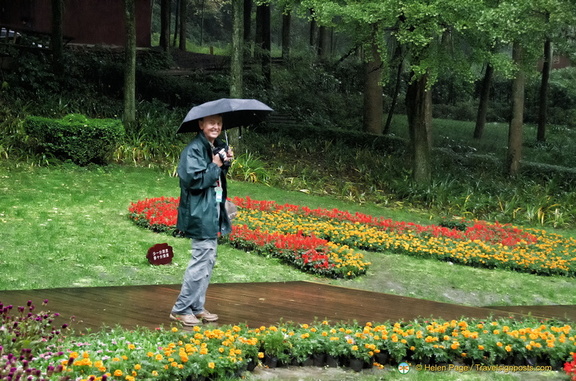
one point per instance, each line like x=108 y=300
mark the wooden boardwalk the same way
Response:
x=255 y=304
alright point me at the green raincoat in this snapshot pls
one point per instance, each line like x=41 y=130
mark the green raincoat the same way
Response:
x=198 y=215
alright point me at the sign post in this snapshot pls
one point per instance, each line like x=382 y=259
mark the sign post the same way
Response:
x=160 y=254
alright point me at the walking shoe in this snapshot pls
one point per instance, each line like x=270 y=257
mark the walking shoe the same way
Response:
x=207 y=316
x=186 y=320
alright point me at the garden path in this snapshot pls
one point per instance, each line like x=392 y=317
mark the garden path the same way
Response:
x=255 y=304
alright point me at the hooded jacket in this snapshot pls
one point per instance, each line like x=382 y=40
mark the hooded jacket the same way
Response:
x=198 y=215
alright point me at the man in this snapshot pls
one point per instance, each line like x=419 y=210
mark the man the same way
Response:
x=201 y=216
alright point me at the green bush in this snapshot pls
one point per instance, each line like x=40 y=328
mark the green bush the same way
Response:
x=75 y=137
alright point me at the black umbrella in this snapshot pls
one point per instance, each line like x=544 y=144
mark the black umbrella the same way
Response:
x=235 y=113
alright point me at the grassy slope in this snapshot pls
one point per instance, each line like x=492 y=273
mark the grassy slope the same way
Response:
x=67 y=227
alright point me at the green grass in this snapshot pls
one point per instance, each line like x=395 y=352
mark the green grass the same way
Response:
x=458 y=135
x=75 y=219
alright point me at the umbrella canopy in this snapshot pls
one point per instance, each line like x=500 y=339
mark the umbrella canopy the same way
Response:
x=235 y=113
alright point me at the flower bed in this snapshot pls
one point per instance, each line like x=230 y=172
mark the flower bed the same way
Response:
x=304 y=251
x=271 y=228
x=227 y=351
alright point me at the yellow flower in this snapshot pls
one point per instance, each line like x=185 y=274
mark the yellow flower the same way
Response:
x=211 y=365
x=118 y=373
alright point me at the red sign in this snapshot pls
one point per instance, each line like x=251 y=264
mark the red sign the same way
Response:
x=160 y=254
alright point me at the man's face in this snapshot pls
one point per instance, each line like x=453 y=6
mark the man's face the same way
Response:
x=211 y=126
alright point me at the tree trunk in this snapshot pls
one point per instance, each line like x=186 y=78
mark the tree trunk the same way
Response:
x=400 y=62
x=514 y=154
x=543 y=101
x=165 y=24
x=312 y=30
x=237 y=56
x=176 y=23
x=323 y=43
x=373 y=92
x=417 y=109
x=247 y=27
x=286 y=23
x=130 y=64
x=236 y=64
x=56 y=43
x=483 y=103
x=183 y=14
x=264 y=41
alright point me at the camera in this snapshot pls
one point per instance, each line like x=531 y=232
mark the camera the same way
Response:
x=221 y=151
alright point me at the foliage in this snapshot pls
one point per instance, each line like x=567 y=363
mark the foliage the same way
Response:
x=226 y=351
x=26 y=328
x=306 y=252
x=570 y=368
x=319 y=240
x=75 y=137
x=25 y=336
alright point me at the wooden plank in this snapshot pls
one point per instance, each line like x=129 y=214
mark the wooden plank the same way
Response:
x=255 y=304
x=561 y=312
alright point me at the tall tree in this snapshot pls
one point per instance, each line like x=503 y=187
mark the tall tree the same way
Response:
x=183 y=11
x=176 y=23
x=237 y=56
x=419 y=28
x=165 y=13
x=543 y=101
x=263 y=41
x=56 y=42
x=417 y=108
x=483 y=104
x=286 y=30
x=247 y=28
x=396 y=62
x=313 y=29
x=237 y=62
x=130 y=63
x=323 y=46
x=514 y=154
x=373 y=98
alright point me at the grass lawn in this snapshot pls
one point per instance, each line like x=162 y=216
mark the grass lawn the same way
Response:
x=75 y=219
x=68 y=227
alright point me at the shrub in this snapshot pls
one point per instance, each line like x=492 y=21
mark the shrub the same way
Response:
x=75 y=137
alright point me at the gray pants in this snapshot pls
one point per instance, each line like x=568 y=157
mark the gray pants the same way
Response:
x=196 y=277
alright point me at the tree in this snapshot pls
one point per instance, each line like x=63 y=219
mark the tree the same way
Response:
x=165 y=13
x=247 y=27
x=130 y=63
x=417 y=108
x=558 y=18
x=372 y=110
x=483 y=103
x=237 y=61
x=398 y=62
x=531 y=27
x=183 y=12
x=421 y=29
x=543 y=101
x=237 y=56
x=286 y=23
x=514 y=153
x=263 y=41
x=57 y=37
